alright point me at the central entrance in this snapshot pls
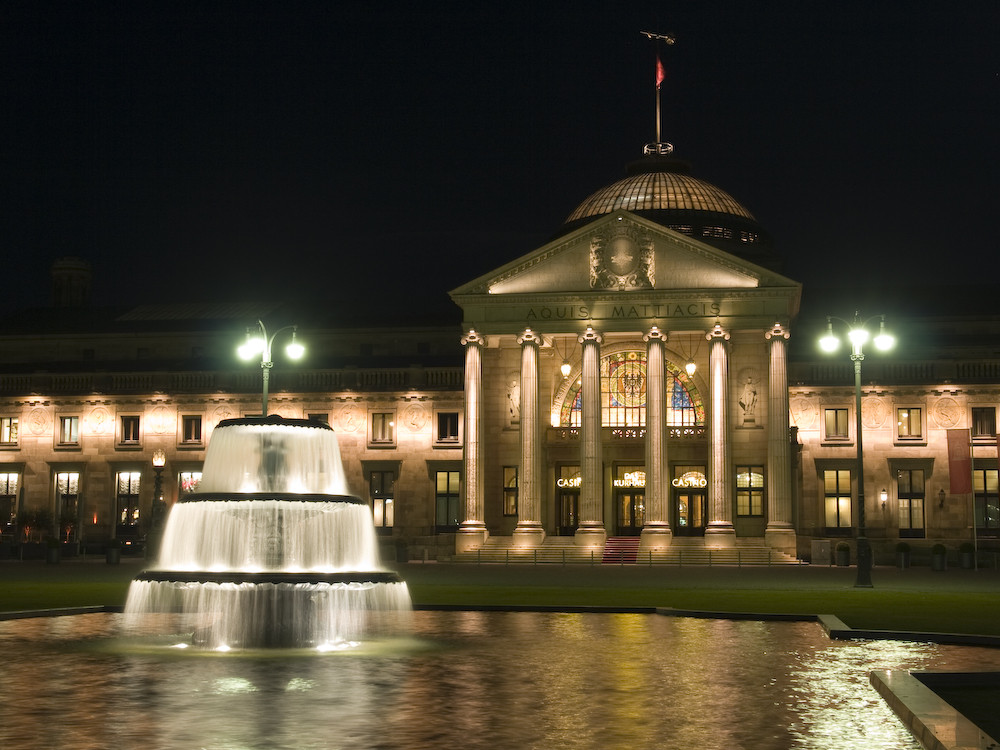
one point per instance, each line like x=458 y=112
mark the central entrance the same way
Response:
x=630 y=499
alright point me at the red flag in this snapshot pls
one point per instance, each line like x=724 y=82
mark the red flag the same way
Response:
x=959 y=462
x=660 y=73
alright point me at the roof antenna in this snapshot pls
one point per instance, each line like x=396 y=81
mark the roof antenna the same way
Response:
x=659 y=147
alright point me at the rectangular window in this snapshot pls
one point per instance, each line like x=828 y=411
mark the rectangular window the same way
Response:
x=128 y=501
x=447 y=427
x=908 y=424
x=69 y=430
x=837 y=498
x=910 y=492
x=381 y=487
x=510 y=490
x=984 y=485
x=67 y=500
x=130 y=430
x=323 y=417
x=188 y=481
x=750 y=490
x=8 y=501
x=984 y=422
x=446 y=500
x=836 y=424
x=190 y=429
x=8 y=430
x=383 y=428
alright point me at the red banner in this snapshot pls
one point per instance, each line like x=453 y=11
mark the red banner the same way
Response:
x=960 y=461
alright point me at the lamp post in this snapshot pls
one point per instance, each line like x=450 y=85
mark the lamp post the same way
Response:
x=259 y=343
x=159 y=510
x=858 y=335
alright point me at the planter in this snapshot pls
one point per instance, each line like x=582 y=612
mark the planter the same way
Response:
x=903 y=559
x=967 y=560
x=52 y=555
x=113 y=555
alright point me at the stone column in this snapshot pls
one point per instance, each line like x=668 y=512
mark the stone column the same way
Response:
x=780 y=532
x=590 y=532
x=529 y=531
x=472 y=533
x=720 y=531
x=656 y=533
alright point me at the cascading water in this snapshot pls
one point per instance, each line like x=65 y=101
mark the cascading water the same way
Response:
x=272 y=550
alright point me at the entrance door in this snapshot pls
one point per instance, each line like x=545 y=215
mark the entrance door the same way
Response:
x=692 y=509
x=569 y=513
x=631 y=512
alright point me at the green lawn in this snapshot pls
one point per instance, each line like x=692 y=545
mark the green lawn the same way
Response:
x=915 y=600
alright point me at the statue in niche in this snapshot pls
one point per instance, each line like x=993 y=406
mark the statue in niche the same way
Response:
x=748 y=402
x=514 y=400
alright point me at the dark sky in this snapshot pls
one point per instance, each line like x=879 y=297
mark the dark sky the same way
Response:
x=387 y=151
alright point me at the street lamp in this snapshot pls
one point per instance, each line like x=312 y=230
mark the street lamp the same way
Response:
x=858 y=335
x=159 y=509
x=259 y=343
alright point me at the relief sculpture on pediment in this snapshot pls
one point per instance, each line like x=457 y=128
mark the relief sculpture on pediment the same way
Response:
x=621 y=257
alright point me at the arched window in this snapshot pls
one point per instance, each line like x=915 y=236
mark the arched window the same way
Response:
x=623 y=394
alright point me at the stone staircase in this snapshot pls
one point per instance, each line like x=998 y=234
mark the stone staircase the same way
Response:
x=684 y=551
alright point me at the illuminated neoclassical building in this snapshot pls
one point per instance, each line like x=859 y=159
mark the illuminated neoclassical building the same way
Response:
x=646 y=381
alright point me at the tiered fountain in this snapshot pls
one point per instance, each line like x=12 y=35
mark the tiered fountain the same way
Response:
x=272 y=550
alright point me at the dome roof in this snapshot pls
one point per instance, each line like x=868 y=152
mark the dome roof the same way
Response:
x=661 y=189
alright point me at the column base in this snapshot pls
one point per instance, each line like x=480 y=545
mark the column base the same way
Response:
x=470 y=538
x=590 y=536
x=782 y=539
x=655 y=537
x=720 y=536
x=529 y=535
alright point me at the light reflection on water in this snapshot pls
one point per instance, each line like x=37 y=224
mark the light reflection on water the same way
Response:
x=466 y=679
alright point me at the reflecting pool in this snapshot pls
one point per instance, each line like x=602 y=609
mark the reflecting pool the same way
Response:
x=465 y=679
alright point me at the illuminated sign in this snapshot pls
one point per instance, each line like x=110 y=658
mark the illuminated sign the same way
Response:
x=631 y=479
x=572 y=482
x=690 y=480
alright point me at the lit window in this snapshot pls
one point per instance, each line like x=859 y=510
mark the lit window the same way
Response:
x=510 y=490
x=836 y=424
x=908 y=426
x=128 y=500
x=910 y=494
x=8 y=431
x=383 y=428
x=8 y=500
x=190 y=429
x=69 y=430
x=750 y=490
x=984 y=486
x=189 y=481
x=67 y=500
x=837 y=496
x=446 y=500
x=381 y=486
x=130 y=430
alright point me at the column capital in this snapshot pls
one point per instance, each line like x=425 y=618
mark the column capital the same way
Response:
x=717 y=333
x=778 y=331
x=655 y=334
x=474 y=338
x=529 y=337
x=590 y=336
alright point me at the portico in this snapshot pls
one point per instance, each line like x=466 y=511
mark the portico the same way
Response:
x=628 y=443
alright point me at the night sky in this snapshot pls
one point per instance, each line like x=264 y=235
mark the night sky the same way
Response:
x=387 y=152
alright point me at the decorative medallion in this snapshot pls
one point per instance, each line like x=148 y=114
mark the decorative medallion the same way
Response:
x=946 y=412
x=100 y=421
x=38 y=421
x=222 y=412
x=349 y=418
x=160 y=421
x=621 y=257
x=415 y=417
x=804 y=412
x=873 y=411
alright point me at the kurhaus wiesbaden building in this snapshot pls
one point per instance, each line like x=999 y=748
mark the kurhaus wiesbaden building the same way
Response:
x=643 y=386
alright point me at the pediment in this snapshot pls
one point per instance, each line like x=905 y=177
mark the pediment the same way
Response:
x=622 y=252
